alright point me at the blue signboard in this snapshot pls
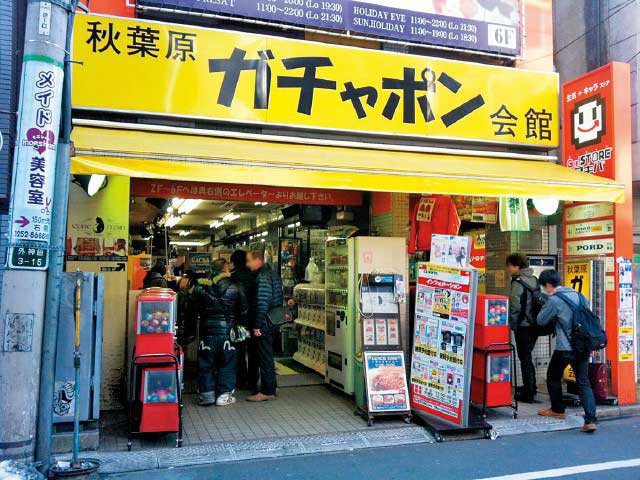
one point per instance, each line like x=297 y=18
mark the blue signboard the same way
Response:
x=491 y=26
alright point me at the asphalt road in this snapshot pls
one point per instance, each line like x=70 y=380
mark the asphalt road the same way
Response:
x=565 y=455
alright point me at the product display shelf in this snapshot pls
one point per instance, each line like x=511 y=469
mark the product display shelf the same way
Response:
x=310 y=363
x=307 y=323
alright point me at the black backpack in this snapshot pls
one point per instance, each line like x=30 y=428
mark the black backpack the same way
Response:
x=586 y=334
x=538 y=300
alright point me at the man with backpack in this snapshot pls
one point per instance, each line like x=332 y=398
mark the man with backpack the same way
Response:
x=524 y=305
x=577 y=332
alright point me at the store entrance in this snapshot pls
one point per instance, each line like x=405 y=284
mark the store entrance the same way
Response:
x=181 y=238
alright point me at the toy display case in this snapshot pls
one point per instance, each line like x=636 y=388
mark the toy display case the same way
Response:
x=493 y=373
x=160 y=394
x=156 y=312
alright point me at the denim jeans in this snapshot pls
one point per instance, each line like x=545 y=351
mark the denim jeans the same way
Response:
x=217 y=364
x=580 y=365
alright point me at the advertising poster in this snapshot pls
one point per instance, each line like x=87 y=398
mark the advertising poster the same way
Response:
x=484 y=210
x=451 y=250
x=442 y=350
x=387 y=389
x=468 y=24
x=201 y=262
x=577 y=275
x=98 y=226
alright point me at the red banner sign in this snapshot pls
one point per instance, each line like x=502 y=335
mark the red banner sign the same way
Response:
x=143 y=187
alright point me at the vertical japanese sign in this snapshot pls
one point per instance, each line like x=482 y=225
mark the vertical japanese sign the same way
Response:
x=443 y=342
x=596 y=108
x=35 y=160
x=193 y=72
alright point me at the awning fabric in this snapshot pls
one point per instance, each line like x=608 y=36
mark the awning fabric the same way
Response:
x=148 y=154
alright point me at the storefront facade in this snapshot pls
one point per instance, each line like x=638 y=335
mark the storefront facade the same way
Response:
x=173 y=104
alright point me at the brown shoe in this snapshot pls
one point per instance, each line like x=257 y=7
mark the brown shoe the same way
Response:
x=547 y=412
x=589 y=428
x=260 y=397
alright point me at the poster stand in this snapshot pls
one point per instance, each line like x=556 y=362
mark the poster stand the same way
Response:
x=386 y=392
x=442 y=358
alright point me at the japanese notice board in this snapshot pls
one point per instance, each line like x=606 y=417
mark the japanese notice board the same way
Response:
x=189 y=72
x=487 y=26
x=443 y=342
x=35 y=155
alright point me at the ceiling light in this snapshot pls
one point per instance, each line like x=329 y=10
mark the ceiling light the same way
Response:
x=184 y=233
x=216 y=224
x=172 y=221
x=260 y=204
x=91 y=184
x=264 y=234
x=191 y=243
x=297 y=224
x=546 y=206
x=230 y=217
x=188 y=205
x=263 y=240
x=291 y=225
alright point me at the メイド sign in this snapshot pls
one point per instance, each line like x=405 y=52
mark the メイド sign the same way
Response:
x=35 y=163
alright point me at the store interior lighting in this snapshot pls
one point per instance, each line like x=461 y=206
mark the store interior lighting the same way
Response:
x=178 y=208
x=260 y=204
x=191 y=243
x=546 y=206
x=216 y=224
x=184 y=233
x=230 y=217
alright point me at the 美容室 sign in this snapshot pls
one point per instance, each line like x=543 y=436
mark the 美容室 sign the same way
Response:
x=34 y=176
x=191 y=72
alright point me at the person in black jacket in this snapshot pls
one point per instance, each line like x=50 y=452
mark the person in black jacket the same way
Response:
x=268 y=296
x=155 y=276
x=220 y=304
x=248 y=364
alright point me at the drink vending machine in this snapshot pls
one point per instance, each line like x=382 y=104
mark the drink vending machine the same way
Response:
x=155 y=390
x=493 y=372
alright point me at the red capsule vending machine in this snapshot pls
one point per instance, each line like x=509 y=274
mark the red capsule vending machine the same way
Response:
x=493 y=355
x=155 y=393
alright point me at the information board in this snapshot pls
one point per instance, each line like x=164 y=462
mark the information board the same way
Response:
x=443 y=342
x=386 y=378
x=472 y=24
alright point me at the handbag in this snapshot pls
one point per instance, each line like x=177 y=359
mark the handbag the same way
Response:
x=280 y=314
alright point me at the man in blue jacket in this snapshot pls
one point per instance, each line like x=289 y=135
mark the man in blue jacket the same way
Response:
x=268 y=296
x=557 y=310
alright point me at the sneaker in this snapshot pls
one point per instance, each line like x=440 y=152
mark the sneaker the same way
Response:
x=226 y=399
x=547 y=412
x=260 y=397
x=589 y=428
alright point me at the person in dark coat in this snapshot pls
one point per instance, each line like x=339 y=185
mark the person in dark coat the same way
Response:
x=521 y=321
x=248 y=363
x=268 y=296
x=220 y=305
x=155 y=277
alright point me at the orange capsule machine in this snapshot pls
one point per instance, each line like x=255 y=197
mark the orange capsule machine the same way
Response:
x=493 y=355
x=155 y=395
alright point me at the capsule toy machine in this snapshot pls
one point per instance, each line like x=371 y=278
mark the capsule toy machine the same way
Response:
x=155 y=394
x=493 y=355
x=156 y=312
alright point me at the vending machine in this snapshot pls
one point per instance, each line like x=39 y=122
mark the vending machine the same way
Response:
x=493 y=355
x=347 y=261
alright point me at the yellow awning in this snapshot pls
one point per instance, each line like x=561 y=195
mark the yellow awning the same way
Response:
x=149 y=154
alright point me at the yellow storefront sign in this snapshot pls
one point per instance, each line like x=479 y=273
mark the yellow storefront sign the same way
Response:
x=133 y=65
x=577 y=275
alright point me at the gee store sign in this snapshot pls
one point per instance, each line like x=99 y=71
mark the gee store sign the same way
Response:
x=139 y=66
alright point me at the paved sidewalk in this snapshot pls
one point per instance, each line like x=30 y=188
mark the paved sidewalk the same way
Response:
x=350 y=436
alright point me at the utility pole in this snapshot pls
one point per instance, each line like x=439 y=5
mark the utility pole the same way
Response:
x=34 y=194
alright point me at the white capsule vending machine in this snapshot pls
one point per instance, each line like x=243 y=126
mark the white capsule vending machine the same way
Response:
x=346 y=261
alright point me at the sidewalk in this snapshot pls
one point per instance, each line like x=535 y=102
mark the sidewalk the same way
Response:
x=352 y=436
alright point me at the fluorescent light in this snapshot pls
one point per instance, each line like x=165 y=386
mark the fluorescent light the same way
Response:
x=264 y=234
x=188 y=205
x=191 y=243
x=172 y=221
x=291 y=225
x=216 y=224
x=230 y=217
x=297 y=224
x=546 y=206
x=184 y=233
x=260 y=204
x=263 y=240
